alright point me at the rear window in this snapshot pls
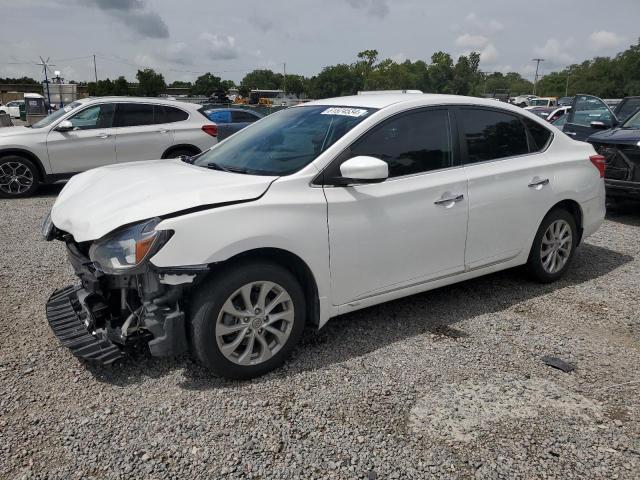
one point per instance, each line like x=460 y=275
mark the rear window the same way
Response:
x=173 y=114
x=540 y=135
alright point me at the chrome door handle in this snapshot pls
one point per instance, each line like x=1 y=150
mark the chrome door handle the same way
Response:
x=573 y=134
x=104 y=135
x=538 y=183
x=163 y=131
x=444 y=201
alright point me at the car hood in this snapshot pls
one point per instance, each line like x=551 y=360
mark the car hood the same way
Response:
x=16 y=131
x=617 y=135
x=98 y=201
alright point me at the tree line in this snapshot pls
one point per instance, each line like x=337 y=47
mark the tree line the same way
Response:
x=608 y=77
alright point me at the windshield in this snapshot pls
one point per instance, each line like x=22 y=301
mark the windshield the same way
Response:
x=285 y=141
x=48 y=120
x=633 y=122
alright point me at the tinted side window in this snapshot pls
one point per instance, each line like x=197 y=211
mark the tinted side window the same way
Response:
x=491 y=134
x=627 y=108
x=219 y=116
x=174 y=115
x=132 y=114
x=243 y=117
x=540 y=135
x=410 y=143
x=589 y=109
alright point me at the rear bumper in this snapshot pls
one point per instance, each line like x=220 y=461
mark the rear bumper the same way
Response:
x=622 y=188
x=70 y=319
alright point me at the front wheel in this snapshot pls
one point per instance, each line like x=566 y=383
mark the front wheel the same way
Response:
x=247 y=319
x=18 y=177
x=553 y=247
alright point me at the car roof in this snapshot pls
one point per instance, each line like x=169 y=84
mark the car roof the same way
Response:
x=383 y=100
x=156 y=100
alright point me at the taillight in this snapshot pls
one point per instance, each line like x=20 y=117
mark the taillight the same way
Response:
x=210 y=130
x=598 y=162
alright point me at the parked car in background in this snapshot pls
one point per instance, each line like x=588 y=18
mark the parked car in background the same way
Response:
x=542 y=112
x=588 y=115
x=231 y=120
x=557 y=113
x=95 y=132
x=542 y=102
x=523 y=100
x=12 y=108
x=315 y=211
x=620 y=147
x=627 y=107
x=565 y=101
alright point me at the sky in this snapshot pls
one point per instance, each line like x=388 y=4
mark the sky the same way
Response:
x=184 y=38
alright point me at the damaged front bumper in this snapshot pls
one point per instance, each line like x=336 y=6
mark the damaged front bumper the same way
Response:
x=100 y=318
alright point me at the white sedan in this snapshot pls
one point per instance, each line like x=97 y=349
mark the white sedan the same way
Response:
x=312 y=212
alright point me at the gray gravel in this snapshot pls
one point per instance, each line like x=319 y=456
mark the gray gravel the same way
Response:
x=447 y=384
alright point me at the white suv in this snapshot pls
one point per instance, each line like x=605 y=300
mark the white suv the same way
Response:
x=312 y=212
x=95 y=132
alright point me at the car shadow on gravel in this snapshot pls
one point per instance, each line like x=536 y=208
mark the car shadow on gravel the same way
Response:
x=628 y=214
x=359 y=333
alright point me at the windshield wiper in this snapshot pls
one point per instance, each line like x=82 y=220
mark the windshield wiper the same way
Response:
x=217 y=166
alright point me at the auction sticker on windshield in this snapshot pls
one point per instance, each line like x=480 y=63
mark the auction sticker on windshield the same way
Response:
x=349 y=112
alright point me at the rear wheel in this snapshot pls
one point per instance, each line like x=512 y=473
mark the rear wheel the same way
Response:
x=553 y=247
x=247 y=319
x=179 y=152
x=18 y=177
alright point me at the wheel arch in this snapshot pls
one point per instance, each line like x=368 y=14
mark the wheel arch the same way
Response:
x=291 y=262
x=29 y=156
x=575 y=210
x=182 y=146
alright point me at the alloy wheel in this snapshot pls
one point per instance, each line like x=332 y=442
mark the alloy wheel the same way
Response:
x=15 y=178
x=254 y=323
x=555 y=248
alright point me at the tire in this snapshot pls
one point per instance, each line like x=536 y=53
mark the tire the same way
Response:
x=178 y=152
x=553 y=235
x=19 y=177
x=223 y=293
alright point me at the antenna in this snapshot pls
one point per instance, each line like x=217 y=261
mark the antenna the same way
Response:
x=45 y=65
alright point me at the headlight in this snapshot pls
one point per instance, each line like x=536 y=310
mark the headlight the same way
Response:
x=47 y=228
x=123 y=250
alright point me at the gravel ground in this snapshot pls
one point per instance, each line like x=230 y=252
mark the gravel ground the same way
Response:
x=447 y=384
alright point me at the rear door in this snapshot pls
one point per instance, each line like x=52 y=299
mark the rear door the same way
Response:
x=90 y=144
x=141 y=132
x=625 y=109
x=510 y=182
x=584 y=110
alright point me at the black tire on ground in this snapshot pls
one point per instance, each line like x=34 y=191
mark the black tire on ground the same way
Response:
x=178 y=152
x=15 y=173
x=535 y=264
x=207 y=303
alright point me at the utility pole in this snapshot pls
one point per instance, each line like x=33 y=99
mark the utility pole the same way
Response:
x=95 y=70
x=535 y=80
x=566 y=88
x=44 y=64
x=284 y=78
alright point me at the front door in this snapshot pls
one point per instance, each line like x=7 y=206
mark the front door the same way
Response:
x=510 y=182
x=584 y=110
x=90 y=144
x=409 y=229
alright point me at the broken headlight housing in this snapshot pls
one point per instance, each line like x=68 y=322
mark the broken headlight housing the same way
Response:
x=127 y=249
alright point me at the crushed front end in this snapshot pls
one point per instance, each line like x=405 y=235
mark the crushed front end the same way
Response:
x=122 y=299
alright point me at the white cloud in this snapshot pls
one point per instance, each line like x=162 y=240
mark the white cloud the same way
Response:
x=374 y=8
x=554 y=51
x=219 y=47
x=604 y=40
x=489 y=54
x=472 y=41
x=483 y=25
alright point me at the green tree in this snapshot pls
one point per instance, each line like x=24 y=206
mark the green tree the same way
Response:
x=263 y=79
x=120 y=86
x=335 y=81
x=441 y=72
x=206 y=84
x=150 y=83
